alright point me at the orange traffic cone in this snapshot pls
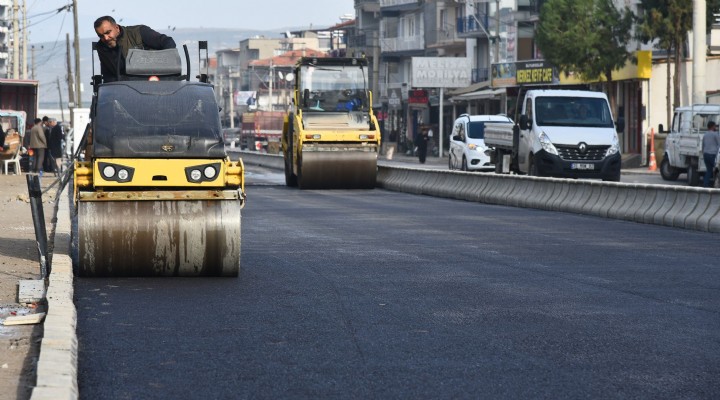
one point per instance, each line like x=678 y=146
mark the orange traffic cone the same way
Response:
x=652 y=165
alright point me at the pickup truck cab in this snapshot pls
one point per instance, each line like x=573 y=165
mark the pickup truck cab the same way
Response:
x=467 y=142
x=561 y=133
x=683 y=146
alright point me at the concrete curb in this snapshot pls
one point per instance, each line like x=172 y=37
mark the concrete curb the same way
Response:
x=57 y=365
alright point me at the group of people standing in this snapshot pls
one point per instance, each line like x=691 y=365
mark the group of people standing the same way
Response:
x=46 y=143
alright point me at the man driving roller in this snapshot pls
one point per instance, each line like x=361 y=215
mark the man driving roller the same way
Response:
x=116 y=40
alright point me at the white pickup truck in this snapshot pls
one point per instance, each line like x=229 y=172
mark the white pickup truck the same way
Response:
x=683 y=146
x=561 y=133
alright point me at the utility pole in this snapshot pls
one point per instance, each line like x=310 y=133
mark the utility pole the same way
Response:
x=16 y=40
x=272 y=78
x=71 y=86
x=32 y=62
x=24 y=42
x=497 y=31
x=62 y=111
x=78 y=86
x=231 y=92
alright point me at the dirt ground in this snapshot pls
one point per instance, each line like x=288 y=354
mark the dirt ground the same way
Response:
x=19 y=260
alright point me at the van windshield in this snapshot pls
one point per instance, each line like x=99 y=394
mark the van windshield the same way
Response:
x=573 y=111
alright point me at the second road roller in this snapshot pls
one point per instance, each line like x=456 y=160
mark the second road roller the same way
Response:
x=155 y=192
x=331 y=137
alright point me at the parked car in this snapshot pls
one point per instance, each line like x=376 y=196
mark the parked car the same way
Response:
x=467 y=145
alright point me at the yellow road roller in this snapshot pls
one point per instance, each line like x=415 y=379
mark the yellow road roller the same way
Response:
x=331 y=137
x=155 y=192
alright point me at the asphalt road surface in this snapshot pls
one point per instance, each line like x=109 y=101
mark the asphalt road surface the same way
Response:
x=374 y=295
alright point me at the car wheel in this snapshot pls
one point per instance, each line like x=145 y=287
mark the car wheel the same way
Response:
x=667 y=171
x=693 y=176
x=716 y=181
x=498 y=162
x=464 y=164
x=450 y=166
x=532 y=168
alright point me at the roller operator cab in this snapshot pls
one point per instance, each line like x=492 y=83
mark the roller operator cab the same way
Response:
x=331 y=137
x=156 y=194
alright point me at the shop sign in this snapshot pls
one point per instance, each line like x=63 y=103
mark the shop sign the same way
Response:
x=441 y=72
x=538 y=72
x=418 y=97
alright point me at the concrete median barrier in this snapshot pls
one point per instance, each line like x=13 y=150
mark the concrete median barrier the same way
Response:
x=675 y=206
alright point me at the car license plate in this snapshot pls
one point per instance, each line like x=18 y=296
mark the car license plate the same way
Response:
x=582 y=166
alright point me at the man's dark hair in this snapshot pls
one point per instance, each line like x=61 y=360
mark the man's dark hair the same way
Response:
x=107 y=18
x=45 y=119
x=711 y=125
x=37 y=120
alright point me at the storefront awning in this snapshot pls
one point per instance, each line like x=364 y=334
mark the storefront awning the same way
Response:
x=478 y=95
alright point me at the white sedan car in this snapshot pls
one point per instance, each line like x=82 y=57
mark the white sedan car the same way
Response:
x=467 y=144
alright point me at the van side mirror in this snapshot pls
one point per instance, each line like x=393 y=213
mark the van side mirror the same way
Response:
x=456 y=138
x=620 y=125
x=525 y=123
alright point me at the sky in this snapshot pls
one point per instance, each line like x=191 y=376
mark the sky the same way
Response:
x=47 y=25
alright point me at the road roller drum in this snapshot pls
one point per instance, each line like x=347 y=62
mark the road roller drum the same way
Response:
x=338 y=170
x=159 y=238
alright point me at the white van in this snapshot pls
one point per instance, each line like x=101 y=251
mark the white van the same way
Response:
x=561 y=133
x=467 y=142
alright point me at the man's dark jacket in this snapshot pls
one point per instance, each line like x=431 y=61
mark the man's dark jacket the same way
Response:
x=130 y=37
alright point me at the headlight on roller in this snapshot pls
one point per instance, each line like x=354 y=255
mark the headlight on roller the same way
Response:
x=202 y=173
x=210 y=172
x=123 y=174
x=108 y=172
x=116 y=172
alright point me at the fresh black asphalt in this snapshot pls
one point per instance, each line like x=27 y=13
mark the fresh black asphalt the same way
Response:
x=378 y=295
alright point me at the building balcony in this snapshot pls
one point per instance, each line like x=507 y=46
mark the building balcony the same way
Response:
x=390 y=8
x=359 y=41
x=402 y=44
x=473 y=26
x=368 y=5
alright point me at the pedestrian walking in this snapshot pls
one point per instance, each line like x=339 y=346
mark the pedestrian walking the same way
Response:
x=55 y=145
x=422 y=143
x=38 y=144
x=710 y=147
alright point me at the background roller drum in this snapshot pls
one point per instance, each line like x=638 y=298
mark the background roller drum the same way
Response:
x=338 y=170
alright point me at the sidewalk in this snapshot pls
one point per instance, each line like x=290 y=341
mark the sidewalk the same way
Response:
x=19 y=260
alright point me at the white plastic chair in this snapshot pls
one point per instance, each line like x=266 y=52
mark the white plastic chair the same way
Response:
x=15 y=160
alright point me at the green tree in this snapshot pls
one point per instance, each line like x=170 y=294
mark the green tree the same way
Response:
x=668 y=22
x=585 y=37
